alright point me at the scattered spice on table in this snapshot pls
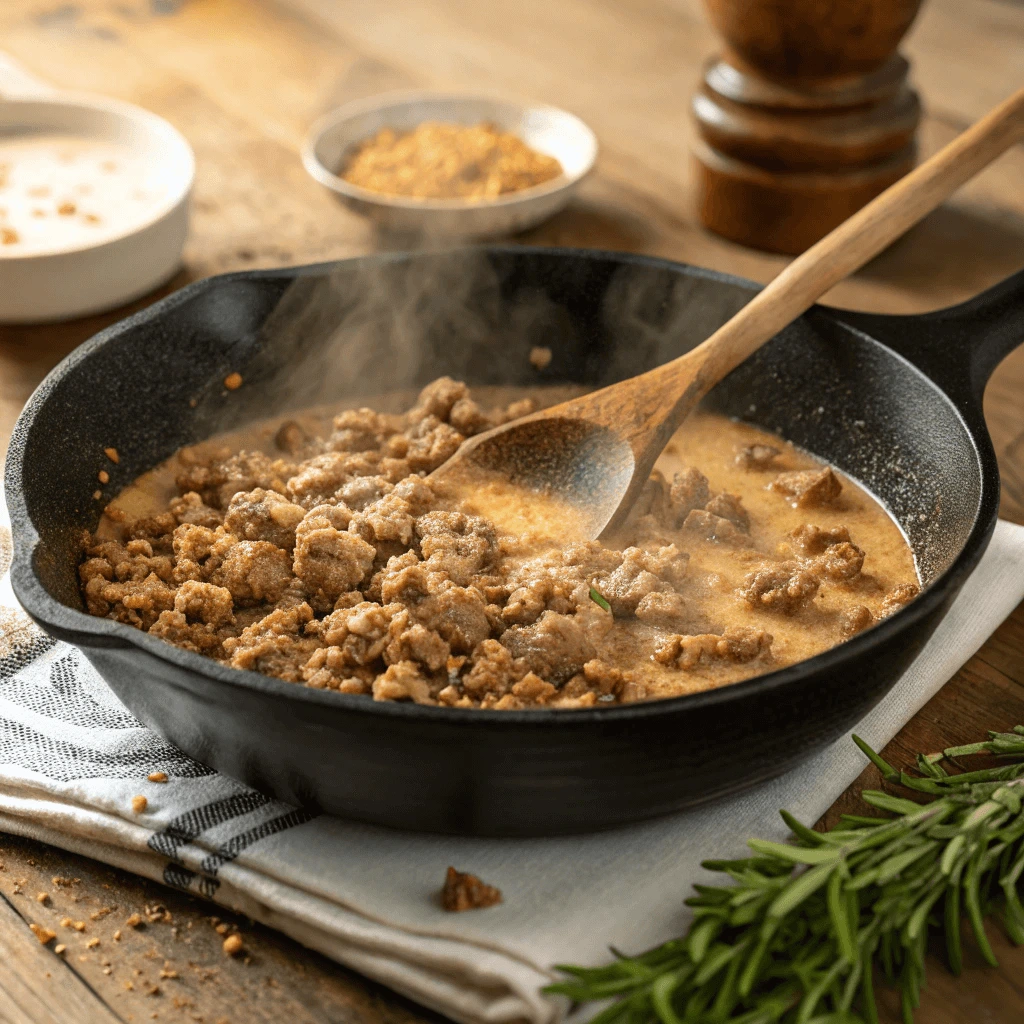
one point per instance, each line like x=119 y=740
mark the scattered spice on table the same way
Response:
x=448 y=161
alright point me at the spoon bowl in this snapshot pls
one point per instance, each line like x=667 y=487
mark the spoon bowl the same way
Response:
x=582 y=466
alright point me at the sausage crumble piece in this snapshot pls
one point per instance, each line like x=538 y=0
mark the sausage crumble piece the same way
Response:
x=462 y=891
x=839 y=562
x=734 y=645
x=757 y=456
x=785 y=587
x=810 y=540
x=855 y=620
x=325 y=556
x=900 y=595
x=809 y=488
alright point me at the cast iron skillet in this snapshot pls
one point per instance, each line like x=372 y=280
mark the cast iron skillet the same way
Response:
x=894 y=401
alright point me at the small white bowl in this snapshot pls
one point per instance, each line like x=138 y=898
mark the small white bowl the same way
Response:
x=76 y=280
x=546 y=129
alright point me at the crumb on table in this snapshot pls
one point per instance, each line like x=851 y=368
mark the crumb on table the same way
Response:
x=139 y=803
x=233 y=945
x=463 y=891
x=233 y=381
x=103 y=476
x=111 y=453
x=44 y=935
x=157 y=777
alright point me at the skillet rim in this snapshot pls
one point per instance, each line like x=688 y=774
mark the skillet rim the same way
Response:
x=36 y=600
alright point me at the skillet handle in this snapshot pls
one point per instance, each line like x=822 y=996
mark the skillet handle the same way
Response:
x=958 y=347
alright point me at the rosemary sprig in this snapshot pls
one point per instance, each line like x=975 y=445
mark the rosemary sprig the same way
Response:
x=598 y=598
x=801 y=930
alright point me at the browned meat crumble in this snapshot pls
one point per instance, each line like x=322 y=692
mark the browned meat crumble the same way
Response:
x=331 y=562
x=462 y=891
x=809 y=488
x=757 y=456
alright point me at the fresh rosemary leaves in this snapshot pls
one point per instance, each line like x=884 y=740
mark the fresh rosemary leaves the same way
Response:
x=798 y=934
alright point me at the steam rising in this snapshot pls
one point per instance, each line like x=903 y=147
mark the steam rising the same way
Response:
x=375 y=330
x=377 y=327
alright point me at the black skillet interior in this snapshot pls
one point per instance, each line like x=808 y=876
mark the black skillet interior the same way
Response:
x=347 y=331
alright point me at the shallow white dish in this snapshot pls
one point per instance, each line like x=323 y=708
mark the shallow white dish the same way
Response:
x=77 y=279
x=546 y=129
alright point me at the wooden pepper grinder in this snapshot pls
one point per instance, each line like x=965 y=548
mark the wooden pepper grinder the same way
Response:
x=805 y=117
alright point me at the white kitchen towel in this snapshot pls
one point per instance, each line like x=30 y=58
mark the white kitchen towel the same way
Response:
x=71 y=759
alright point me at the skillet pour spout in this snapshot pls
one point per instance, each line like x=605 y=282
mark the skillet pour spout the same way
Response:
x=893 y=401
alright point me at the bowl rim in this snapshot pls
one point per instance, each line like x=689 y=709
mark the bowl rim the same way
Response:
x=170 y=139
x=44 y=608
x=329 y=179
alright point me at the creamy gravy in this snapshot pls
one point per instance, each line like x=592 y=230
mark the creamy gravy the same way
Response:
x=714 y=593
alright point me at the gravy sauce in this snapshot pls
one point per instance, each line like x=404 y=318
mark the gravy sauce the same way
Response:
x=748 y=565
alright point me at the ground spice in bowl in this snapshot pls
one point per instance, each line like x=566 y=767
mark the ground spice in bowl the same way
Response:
x=448 y=161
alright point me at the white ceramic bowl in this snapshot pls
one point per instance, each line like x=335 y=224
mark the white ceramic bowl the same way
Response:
x=546 y=129
x=71 y=281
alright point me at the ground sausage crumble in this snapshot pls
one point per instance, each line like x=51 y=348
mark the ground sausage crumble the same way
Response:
x=333 y=563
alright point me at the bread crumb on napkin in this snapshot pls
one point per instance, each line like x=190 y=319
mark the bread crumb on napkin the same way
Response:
x=462 y=891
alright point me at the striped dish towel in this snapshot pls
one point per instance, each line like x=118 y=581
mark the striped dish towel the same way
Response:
x=72 y=758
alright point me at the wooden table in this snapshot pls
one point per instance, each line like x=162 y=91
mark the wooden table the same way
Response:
x=243 y=81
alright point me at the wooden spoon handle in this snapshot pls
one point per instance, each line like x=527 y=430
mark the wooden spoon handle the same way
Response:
x=857 y=240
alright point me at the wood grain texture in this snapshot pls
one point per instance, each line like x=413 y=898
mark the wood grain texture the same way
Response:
x=170 y=967
x=243 y=81
x=36 y=985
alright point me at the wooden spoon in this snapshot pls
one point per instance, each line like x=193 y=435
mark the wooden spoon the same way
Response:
x=594 y=453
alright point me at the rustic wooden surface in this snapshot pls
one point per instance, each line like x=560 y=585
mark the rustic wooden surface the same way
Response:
x=243 y=80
